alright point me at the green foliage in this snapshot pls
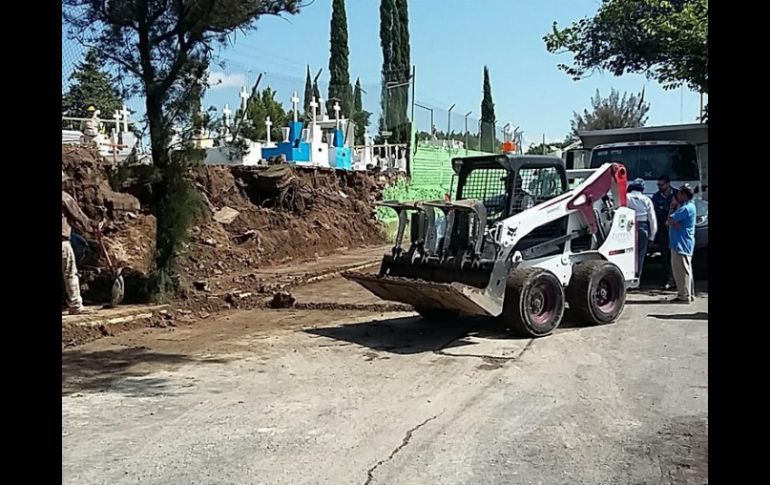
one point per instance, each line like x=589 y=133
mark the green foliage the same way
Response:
x=164 y=48
x=339 y=77
x=665 y=39
x=630 y=111
x=91 y=86
x=261 y=105
x=488 y=135
x=308 y=95
x=396 y=69
x=360 y=115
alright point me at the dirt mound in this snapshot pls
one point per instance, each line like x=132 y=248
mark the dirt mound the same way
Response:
x=257 y=217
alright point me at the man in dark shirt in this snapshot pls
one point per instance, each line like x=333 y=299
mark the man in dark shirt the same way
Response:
x=664 y=201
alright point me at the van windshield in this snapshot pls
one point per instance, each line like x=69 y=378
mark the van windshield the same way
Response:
x=649 y=162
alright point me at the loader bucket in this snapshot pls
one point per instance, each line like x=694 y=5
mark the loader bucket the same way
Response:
x=424 y=295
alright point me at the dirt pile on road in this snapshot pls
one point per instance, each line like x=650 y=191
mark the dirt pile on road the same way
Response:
x=257 y=217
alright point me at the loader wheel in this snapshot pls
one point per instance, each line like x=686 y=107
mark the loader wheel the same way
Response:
x=534 y=302
x=597 y=292
x=437 y=316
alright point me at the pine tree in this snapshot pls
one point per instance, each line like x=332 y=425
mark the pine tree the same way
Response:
x=339 y=77
x=360 y=116
x=487 y=116
x=91 y=86
x=308 y=95
x=260 y=106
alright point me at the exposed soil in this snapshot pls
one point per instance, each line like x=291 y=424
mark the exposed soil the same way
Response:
x=257 y=217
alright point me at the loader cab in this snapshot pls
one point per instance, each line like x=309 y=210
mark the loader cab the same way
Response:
x=509 y=184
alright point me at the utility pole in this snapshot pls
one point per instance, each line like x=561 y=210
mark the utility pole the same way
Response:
x=449 y=121
x=466 y=128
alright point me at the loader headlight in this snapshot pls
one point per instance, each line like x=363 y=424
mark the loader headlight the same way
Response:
x=701 y=212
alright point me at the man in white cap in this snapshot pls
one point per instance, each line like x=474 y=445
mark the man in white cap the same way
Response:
x=70 y=212
x=646 y=223
x=91 y=125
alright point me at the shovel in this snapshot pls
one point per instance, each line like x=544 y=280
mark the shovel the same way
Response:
x=118 y=286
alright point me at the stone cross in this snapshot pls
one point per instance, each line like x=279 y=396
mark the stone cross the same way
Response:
x=321 y=107
x=226 y=112
x=268 y=125
x=337 y=113
x=117 y=116
x=125 y=114
x=294 y=103
x=313 y=106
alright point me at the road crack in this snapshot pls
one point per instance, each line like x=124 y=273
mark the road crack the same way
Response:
x=404 y=442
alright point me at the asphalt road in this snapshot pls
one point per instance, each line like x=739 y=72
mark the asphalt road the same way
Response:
x=330 y=397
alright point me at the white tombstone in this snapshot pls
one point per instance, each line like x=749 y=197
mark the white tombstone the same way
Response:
x=244 y=102
x=294 y=104
x=268 y=125
x=337 y=109
x=125 y=114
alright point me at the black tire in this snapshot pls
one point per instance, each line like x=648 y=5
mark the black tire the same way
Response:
x=700 y=263
x=436 y=315
x=597 y=292
x=534 y=302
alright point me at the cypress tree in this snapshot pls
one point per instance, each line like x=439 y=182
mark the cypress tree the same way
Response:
x=339 y=77
x=308 y=95
x=487 y=116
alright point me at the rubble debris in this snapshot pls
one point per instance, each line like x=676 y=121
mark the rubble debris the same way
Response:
x=201 y=285
x=282 y=299
x=226 y=215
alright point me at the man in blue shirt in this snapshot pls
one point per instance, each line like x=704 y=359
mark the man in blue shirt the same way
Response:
x=663 y=201
x=681 y=234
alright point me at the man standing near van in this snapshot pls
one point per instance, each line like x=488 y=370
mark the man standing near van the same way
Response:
x=681 y=233
x=664 y=202
x=646 y=222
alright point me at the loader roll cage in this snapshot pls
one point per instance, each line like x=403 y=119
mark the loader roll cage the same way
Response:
x=507 y=185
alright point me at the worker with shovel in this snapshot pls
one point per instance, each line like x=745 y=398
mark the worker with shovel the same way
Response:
x=71 y=213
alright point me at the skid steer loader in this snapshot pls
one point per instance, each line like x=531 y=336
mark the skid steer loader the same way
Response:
x=515 y=244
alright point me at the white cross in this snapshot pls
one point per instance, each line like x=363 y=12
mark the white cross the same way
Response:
x=116 y=116
x=244 y=101
x=226 y=112
x=268 y=124
x=125 y=114
x=321 y=107
x=294 y=103
x=313 y=106
x=337 y=109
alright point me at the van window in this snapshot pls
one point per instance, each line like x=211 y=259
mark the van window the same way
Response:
x=651 y=161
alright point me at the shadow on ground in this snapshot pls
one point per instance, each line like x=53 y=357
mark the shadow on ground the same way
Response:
x=127 y=371
x=414 y=335
x=682 y=316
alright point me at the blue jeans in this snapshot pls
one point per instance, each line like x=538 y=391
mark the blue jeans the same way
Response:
x=642 y=238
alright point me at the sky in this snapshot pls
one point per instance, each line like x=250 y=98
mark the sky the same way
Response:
x=451 y=41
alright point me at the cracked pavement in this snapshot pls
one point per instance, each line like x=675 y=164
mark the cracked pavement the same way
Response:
x=313 y=396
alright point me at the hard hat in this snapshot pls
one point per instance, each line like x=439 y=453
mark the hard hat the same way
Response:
x=91 y=108
x=636 y=184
